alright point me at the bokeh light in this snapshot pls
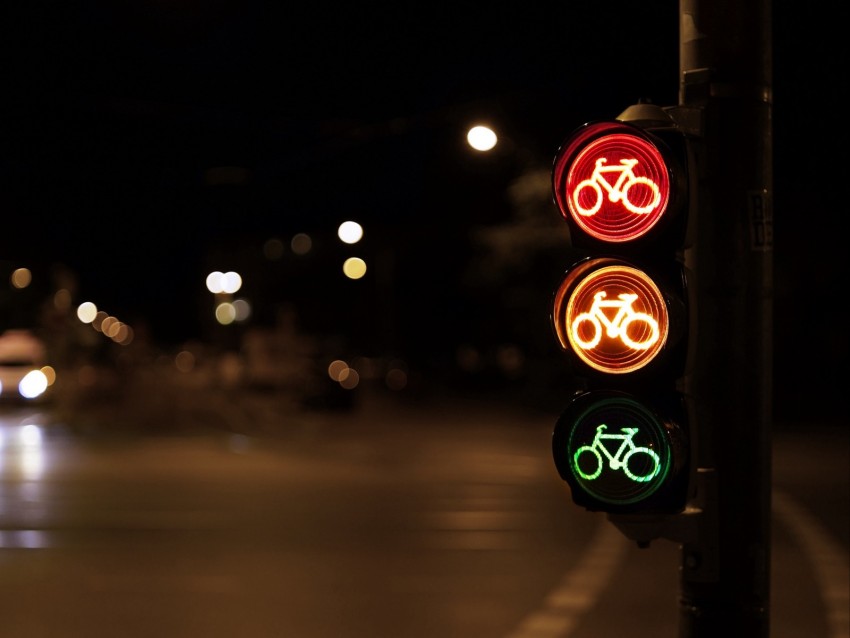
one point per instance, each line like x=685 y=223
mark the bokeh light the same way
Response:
x=481 y=138
x=273 y=249
x=86 y=312
x=223 y=282
x=350 y=232
x=184 y=361
x=354 y=268
x=242 y=309
x=21 y=277
x=301 y=244
x=225 y=313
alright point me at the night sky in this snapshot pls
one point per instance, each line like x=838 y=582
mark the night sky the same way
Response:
x=117 y=119
x=150 y=95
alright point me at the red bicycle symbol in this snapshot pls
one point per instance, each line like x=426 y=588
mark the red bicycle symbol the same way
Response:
x=619 y=192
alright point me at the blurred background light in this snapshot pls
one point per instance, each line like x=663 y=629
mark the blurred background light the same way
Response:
x=481 y=138
x=354 y=268
x=301 y=244
x=231 y=282
x=214 y=282
x=336 y=368
x=225 y=313
x=273 y=249
x=350 y=232
x=242 y=309
x=21 y=277
x=86 y=312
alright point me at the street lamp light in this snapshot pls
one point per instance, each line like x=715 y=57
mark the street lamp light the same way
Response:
x=350 y=232
x=227 y=283
x=223 y=286
x=481 y=138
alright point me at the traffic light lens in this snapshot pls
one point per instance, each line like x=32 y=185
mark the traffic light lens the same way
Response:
x=612 y=316
x=615 y=187
x=616 y=450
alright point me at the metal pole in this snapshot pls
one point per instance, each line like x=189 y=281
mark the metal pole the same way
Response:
x=726 y=79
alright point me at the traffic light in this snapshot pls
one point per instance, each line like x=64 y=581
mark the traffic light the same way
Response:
x=623 y=314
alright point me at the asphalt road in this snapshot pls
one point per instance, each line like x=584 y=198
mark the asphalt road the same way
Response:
x=438 y=521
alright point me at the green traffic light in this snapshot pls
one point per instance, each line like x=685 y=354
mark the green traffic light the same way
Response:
x=615 y=451
x=624 y=459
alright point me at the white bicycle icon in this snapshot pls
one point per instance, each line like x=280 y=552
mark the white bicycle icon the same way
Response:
x=627 y=450
x=619 y=192
x=616 y=327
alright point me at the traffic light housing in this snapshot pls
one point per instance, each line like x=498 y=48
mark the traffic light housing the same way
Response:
x=623 y=453
x=623 y=314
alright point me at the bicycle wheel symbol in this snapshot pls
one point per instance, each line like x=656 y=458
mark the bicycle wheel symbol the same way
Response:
x=588 y=194
x=588 y=463
x=590 y=323
x=640 y=464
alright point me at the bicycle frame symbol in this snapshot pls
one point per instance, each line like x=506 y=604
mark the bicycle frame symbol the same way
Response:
x=618 y=461
x=618 y=327
x=619 y=192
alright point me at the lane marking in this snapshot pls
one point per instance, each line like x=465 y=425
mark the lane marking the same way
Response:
x=579 y=589
x=831 y=562
x=582 y=586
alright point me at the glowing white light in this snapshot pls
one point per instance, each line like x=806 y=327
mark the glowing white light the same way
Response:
x=231 y=282
x=86 y=312
x=214 y=283
x=481 y=138
x=33 y=384
x=30 y=434
x=32 y=456
x=228 y=282
x=350 y=232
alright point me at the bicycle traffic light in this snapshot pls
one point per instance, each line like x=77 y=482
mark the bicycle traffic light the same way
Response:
x=623 y=315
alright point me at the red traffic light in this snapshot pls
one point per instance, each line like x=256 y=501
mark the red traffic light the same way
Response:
x=613 y=181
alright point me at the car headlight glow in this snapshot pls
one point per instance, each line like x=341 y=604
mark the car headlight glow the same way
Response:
x=33 y=384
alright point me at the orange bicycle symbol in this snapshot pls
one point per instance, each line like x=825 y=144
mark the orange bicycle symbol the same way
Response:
x=618 y=327
x=619 y=192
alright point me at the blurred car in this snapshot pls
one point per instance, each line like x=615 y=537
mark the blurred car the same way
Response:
x=24 y=373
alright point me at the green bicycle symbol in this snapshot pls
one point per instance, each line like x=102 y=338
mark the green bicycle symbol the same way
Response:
x=594 y=452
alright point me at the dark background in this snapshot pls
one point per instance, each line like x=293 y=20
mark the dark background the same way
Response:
x=146 y=143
